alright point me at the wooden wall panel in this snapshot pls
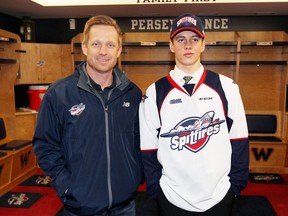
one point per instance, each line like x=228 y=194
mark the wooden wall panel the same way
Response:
x=25 y=126
x=8 y=71
x=146 y=37
x=66 y=60
x=263 y=36
x=219 y=53
x=226 y=70
x=147 y=54
x=220 y=36
x=262 y=53
x=145 y=75
x=261 y=87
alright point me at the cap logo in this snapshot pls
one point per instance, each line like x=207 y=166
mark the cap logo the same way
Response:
x=187 y=19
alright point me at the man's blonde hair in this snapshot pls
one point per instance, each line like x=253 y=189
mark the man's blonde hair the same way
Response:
x=101 y=20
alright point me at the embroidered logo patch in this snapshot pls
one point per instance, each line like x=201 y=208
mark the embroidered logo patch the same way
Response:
x=193 y=133
x=77 y=109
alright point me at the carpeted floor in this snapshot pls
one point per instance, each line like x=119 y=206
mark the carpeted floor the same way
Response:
x=277 y=194
x=244 y=206
x=258 y=199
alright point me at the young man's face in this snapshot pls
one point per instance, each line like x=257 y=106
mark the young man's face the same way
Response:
x=187 y=46
x=102 y=49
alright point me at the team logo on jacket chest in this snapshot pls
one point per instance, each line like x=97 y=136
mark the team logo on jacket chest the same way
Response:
x=77 y=109
x=193 y=133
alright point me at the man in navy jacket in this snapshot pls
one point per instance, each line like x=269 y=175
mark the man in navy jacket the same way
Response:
x=87 y=134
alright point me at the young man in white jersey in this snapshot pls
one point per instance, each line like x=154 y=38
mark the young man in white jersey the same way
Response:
x=194 y=137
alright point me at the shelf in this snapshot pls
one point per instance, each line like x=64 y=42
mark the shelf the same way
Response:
x=135 y=44
x=145 y=44
x=155 y=44
x=263 y=62
x=148 y=62
x=265 y=43
x=8 y=40
x=206 y=62
x=248 y=43
x=208 y=43
x=20 y=112
x=7 y=61
x=221 y=43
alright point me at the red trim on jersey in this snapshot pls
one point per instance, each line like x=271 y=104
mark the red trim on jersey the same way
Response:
x=174 y=84
x=240 y=138
x=201 y=80
x=149 y=150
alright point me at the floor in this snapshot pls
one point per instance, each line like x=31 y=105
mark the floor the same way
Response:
x=49 y=204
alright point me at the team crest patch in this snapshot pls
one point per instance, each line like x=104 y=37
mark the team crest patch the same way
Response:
x=77 y=109
x=193 y=133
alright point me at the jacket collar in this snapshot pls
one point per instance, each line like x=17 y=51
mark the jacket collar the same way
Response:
x=84 y=82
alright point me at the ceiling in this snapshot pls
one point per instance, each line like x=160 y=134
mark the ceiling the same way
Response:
x=21 y=8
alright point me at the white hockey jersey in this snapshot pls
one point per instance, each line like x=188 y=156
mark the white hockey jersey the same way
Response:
x=193 y=138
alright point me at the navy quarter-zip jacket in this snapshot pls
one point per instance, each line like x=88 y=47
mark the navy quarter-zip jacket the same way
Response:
x=89 y=148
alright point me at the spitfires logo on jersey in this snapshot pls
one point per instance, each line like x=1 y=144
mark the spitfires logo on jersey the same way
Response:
x=193 y=133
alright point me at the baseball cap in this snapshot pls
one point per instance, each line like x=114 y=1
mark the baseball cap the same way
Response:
x=187 y=22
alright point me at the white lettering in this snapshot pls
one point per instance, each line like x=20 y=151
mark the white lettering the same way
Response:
x=224 y=24
x=174 y=142
x=216 y=23
x=142 y=24
x=178 y=143
x=165 y=24
x=134 y=23
x=158 y=24
x=150 y=24
x=182 y=142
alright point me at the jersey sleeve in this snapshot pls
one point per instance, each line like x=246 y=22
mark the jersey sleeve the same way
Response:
x=149 y=120
x=149 y=127
x=236 y=112
x=238 y=133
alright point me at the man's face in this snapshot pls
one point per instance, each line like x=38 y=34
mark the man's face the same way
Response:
x=187 y=47
x=102 y=49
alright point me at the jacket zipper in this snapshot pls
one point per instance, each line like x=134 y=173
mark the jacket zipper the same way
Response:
x=106 y=112
x=108 y=151
x=108 y=158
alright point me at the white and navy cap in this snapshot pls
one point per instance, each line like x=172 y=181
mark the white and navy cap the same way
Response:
x=187 y=22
